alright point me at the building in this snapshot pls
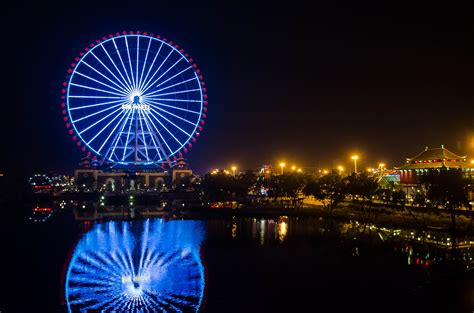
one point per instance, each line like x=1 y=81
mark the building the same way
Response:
x=92 y=176
x=431 y=159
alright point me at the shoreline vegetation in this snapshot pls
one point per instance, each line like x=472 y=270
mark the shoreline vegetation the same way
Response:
x=382 y=215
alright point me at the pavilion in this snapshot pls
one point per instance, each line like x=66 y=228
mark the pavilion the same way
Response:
x=432 y=159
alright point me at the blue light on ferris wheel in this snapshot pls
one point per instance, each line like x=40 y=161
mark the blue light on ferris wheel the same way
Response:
x=134 y=98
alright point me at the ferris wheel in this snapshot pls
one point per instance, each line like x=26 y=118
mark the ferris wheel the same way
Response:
x=134 y=98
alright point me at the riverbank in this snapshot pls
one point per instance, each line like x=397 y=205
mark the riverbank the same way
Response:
x=382 y=216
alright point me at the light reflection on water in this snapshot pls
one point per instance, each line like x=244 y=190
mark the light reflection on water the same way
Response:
x=145 y=265
x=107 y=268
x=418 y=247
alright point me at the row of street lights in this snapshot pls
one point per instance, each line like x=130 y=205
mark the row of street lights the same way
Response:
x=293 y=168
x=299 y=170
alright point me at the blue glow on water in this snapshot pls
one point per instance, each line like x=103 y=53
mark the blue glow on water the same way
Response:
x=141 y=266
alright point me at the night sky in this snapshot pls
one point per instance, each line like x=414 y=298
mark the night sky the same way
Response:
x=308 y=85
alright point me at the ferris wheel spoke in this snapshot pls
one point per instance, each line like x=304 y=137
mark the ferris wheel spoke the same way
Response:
x=123 y=91
x=143 y=67
x=94 y=105
x=151 y=65
x=106 y=77
x=106 y=67
x=128 y=135
x=113 y=130
x=108 y=124
x=143 y=135
x=138 y=59
x=96 y=89
x=123 y=65
x=172 y=135
x=157 y=150
x=119 y=134
x=166 y=119
x=130 y=63
x=147 y=83
x=167 y=112
x=157 y=91
x=178 y=92
x=123 y=81
x=171 y=106
x=170 y=78
x=158 y=132
x=92 y=125
x=95 y=113
x=178 y=100
x=174 y=85
x=169 y=68
x=95 y=97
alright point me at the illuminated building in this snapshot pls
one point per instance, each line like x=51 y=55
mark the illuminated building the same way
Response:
x=431 y=159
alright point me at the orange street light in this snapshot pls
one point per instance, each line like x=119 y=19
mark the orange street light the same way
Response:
x=233 y=168
x=355 y=158
x=282 y=165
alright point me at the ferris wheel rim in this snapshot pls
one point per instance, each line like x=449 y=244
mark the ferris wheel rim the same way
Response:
x=173 y=153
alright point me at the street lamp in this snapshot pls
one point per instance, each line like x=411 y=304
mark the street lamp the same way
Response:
x=381 y=166
x=293 y=168
x=233 y=170
x=282 y=165
x=340 y=168
x=355 y=158
x=299 y=170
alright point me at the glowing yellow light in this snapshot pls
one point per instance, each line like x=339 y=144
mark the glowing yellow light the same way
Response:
x=369 y=170
x=325 y=171
x=340 y=168
x=382 y=165
x=293 y=168
x=299 y=170
x=282 y=165
x=355 y=157
x=472 y=161
x=233 y=168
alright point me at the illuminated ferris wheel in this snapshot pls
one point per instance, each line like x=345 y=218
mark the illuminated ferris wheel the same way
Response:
x=134 y=99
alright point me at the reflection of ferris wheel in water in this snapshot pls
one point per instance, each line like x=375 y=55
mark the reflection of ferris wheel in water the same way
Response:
x=134 y=99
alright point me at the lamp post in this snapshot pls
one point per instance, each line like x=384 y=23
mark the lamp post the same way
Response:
x=381 y=166
x=233 y=170
x=282 y=165
x=355 y=158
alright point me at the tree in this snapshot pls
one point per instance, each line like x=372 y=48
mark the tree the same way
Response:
x=287 y=185
x=328 y=189
x=362 y=188
x=449 y=189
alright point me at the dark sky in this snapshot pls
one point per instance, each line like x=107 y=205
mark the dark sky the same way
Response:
x=309 y=85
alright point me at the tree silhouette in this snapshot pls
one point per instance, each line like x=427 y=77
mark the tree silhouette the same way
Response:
x=449 y=189
x=362 y=188
x=328 y=189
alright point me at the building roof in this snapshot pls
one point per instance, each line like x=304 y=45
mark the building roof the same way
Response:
x=436 y=154
x=435 y=158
